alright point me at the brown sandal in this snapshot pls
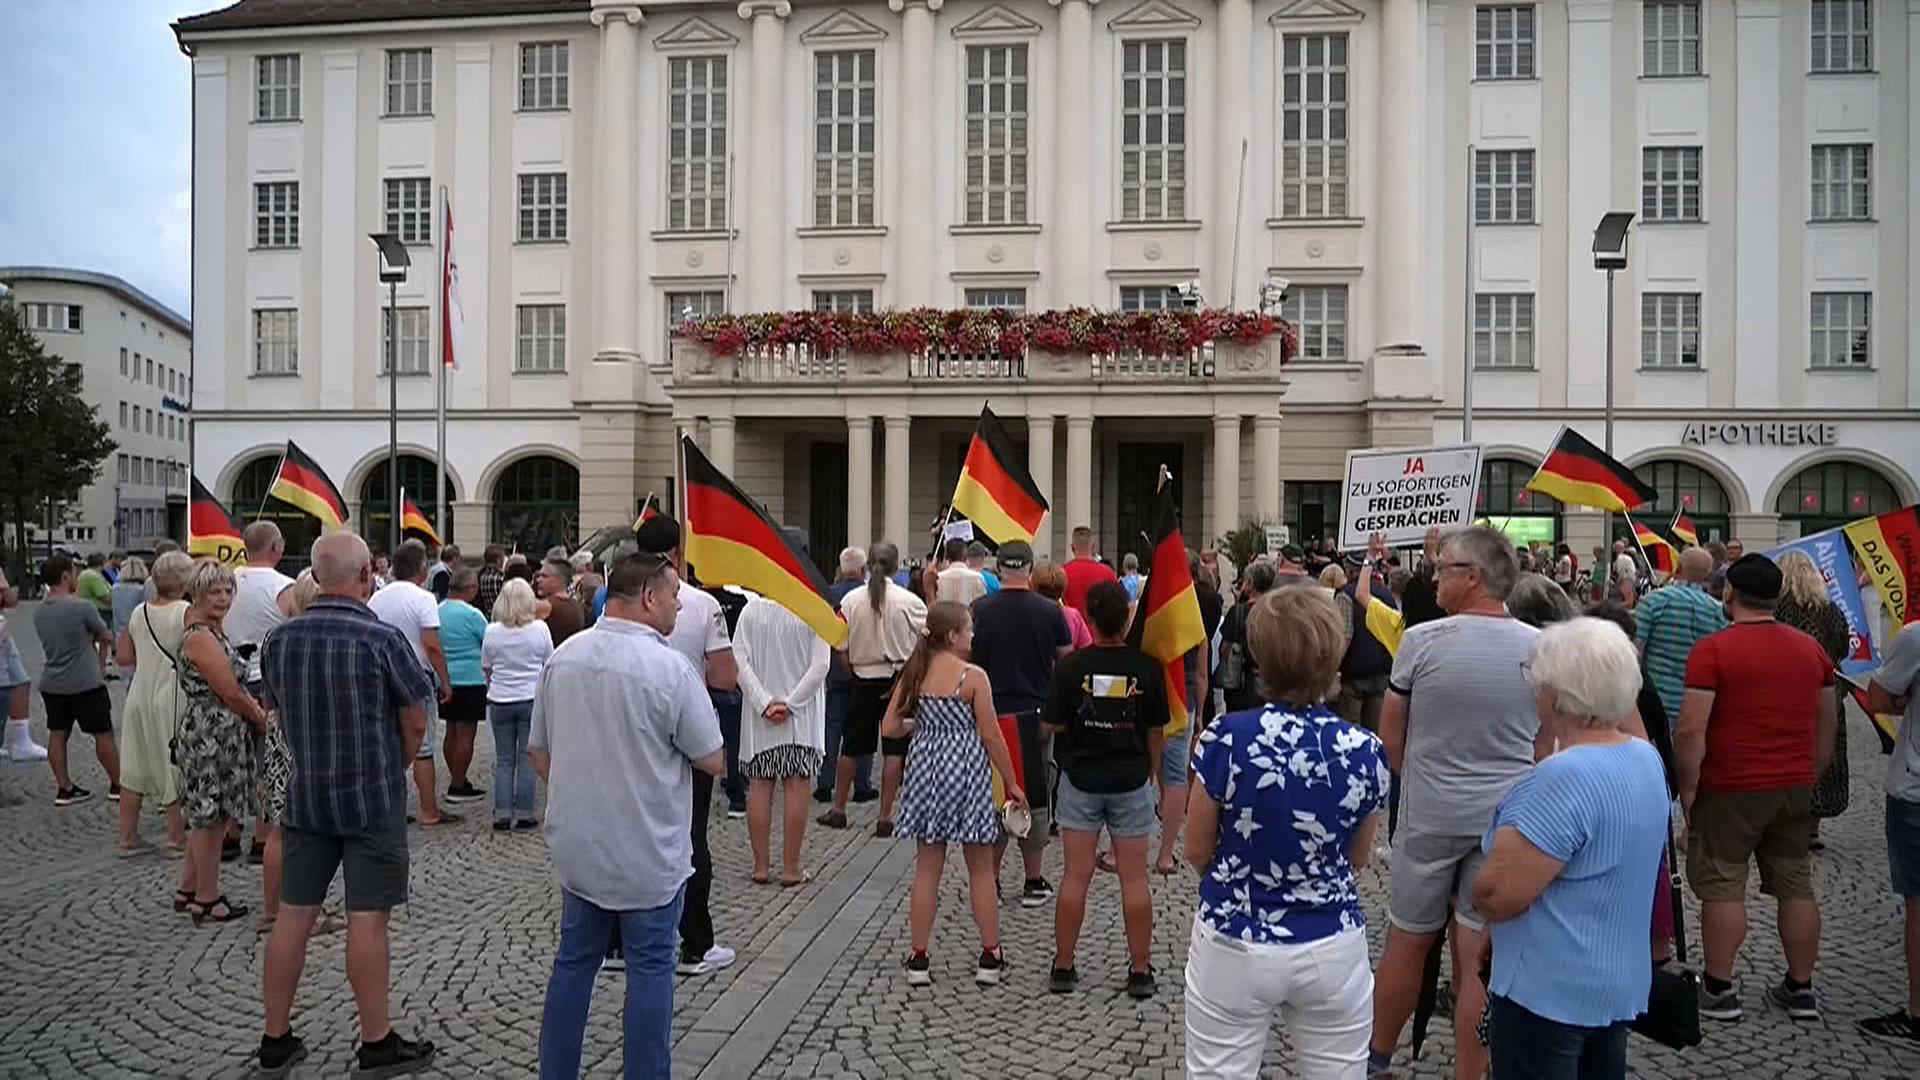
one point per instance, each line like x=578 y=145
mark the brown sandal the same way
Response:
x=204 y=913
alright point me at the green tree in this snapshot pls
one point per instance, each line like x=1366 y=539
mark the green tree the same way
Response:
x=51 y=443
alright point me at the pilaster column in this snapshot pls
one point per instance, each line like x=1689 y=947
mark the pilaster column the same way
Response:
x=914 y=269
x=765 y=153
x=1267 y=501
x=898 y=461
x=1233 y=115
x=1079 y=472
x=1069 y=277
x=1225 y=503
x=616 y=234
x=1398 y=303
x=1040 y=467
x=860 y=481
x=720 y=443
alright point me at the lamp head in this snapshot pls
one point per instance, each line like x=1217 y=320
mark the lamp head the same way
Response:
x=393 y=257
x=1610 y=240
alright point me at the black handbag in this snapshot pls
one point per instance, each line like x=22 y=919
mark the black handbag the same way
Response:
x=1672 y=1018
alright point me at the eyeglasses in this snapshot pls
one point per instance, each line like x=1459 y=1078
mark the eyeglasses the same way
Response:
x=1445 y=566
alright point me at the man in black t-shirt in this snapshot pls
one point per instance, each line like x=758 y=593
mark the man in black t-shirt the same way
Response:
x=1107 y=712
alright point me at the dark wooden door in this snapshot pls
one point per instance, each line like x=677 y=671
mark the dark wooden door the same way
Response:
x=1139 y=471
x=827 y=504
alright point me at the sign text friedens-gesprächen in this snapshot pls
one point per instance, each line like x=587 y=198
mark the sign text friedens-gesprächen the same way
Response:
x=1762 y=433
x=1401 y=493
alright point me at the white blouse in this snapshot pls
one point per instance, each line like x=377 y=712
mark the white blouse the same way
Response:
x=780 y=659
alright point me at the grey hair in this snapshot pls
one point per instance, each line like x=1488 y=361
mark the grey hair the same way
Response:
x=135 y=570
x=515 y=604
x=169 y=574
x=338 y=559
x=208 y=575
x=463 y=579
x=1490 y=552
x=853 y=562
x=1589 y=669
x=1538 y=602
x=262 y=537
x=409 y=559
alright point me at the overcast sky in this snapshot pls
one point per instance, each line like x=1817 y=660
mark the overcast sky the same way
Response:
x=96 y=164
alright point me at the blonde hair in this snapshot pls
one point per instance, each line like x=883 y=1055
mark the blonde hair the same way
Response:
x=1800 y=580
x=135 y=571
x=515 y=605
x=208 y=575
x=170 y=573
x=1297 y=638
x=305 y=591
x=1333 y=577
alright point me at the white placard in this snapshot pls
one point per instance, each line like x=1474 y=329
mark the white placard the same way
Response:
x=957 y=530
x=1401 y=493
x=1278 y=536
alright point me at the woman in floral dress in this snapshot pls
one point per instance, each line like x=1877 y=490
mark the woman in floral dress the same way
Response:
x=218 y=743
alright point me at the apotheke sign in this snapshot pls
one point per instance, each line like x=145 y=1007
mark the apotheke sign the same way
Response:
x=1769 y=433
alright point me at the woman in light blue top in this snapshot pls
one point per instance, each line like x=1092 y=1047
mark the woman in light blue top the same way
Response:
x=1571 y=866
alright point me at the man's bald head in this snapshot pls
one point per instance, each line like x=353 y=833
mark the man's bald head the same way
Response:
x=1695 y=564
x=342 y=566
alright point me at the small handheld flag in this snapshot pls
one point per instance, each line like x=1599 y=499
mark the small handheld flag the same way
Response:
x=1683 y=529
x=995 y=491
x=413 y=521
x=1578 y=472
x=1166 y=622
x=302 y=482
x=1661 y=548
x=649 y=509
x=210 y=529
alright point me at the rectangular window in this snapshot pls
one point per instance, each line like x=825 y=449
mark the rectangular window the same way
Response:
x=843 y=138
x=123 y=468
x=53 y=318
x=1670 y=330
x=996 y=134
x=696 y=143
x=123 y=361
x=1670 y=183
x=134 y=376
x=276 y=345
x=1503 y=330
x=410 y=344
x=409 y=82
x=543 y=75
x=150 y=421
x=276 y=87
x=684 y=306
x=1841 y=330
x=845 y=301
x=1503 y=40
x=1503 y=187
x=1670 y=37
x=409 y=207
x=1313 y=126
x=276 y=214
x=540 y=344
x=543 y=206
x=1149 y=298
x=1843 y=182
x=1319 y=312
x=1842 y=36
x=123 y=414
x=1014 y=300
x=1153 y=131
x=149 y=371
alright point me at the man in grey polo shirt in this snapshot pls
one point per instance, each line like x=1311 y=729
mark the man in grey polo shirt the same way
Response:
x=620 y=721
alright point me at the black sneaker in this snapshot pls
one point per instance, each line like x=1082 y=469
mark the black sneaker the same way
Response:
x=229 y=849
x=919 y=970
x=1898 y=1027
x=1722 y=1006
x=822 y=795
x=465 y=793
x=113 y=792
x=987 y=971
x=866 y=796
x=1798 y=1004
x=736 y=811
x=1140 y=985
x=257 y=854
x=392 y=1056
x=502 y=825
x=69 y=796
x=1037 y=893
x=1062 y=980
x=832 y=819
x=279 y=1055
x=526 y=823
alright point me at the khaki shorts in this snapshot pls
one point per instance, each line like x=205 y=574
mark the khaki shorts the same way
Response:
x=1731 y=828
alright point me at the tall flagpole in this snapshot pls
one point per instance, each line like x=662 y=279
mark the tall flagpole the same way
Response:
x=440 y=382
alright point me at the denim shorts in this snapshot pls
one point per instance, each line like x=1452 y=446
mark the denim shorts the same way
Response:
x=1124 y=814
x=13 y=671
x=1173 y=759
x=1903 y=846
x=433 y=724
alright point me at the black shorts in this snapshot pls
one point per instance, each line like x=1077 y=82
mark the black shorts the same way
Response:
x=91 y=710
x=375 y=864
x=468 y=705
x=866 y=707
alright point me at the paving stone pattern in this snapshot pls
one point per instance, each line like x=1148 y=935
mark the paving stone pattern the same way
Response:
x=101 y=979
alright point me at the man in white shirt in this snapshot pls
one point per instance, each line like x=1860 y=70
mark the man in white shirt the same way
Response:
x=407 y=606
x=621 y=729
x=958 y=581
x=261 y=601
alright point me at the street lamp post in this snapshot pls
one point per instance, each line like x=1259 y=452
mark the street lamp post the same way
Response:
x=393 y=270
x=1610 y=255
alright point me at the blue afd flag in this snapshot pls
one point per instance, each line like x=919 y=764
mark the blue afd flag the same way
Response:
x=1828 y=550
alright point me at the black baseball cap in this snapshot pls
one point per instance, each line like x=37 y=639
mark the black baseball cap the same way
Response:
x=658 y=535
x=1015 y=555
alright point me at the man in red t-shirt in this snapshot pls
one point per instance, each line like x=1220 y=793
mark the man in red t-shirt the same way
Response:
x=1756 y=727
x=1083 y=570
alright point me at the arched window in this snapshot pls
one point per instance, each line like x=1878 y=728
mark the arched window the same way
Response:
x=1834 y=493
x=250 y=503
x=1684 y=486
x=416 y=482
x=1527 y=517
x=536 y=504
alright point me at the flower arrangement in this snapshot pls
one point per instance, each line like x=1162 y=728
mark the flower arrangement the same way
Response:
x=1003 y=333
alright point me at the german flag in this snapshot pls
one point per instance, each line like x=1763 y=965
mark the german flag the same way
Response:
x=996 y=492
x=210 y=529
x=730 y=540
x=303 y=483
x=1661 y=548
x=1166 y=621
x=413 y=521
x=1578 y=472
x=649 y=509
x=1683 y=530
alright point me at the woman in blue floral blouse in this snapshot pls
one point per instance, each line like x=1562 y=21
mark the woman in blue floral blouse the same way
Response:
x=1284 y=808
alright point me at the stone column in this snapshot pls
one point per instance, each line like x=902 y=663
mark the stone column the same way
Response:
x=1079 y=472
x=1757 y=531
x=1040 y=467
x=1225 y=501
x=720 y=443
x=898 y=460
x=764 y=156
x=860 y=481
x=616 y=233
x=1069 y=276
x=913 y=271
x=1268 y=504
x=1233 y=114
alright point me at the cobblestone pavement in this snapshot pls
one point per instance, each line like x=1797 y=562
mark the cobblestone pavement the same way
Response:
x=98 y=977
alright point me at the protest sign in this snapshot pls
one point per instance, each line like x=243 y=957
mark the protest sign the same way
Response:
x=1401 y=493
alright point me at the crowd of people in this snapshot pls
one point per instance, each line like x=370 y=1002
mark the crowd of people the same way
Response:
x=1528 y=763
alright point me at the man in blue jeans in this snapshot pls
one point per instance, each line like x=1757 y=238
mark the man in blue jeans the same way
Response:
x=635 y=722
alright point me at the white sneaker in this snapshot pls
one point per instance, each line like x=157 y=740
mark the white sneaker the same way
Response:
x=719 y=958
